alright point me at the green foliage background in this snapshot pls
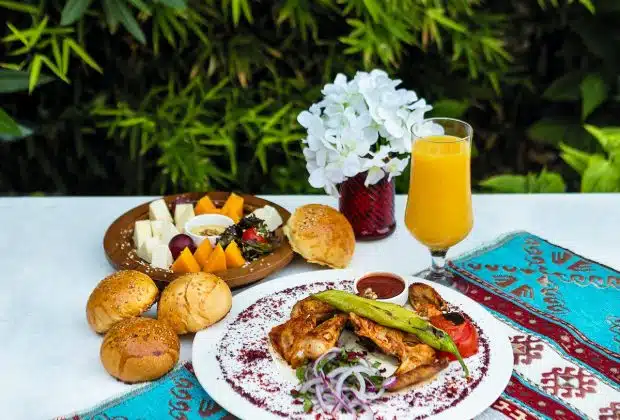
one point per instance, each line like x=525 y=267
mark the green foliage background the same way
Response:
x=153 y=96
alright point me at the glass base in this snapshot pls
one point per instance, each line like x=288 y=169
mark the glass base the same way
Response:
x=444 y=280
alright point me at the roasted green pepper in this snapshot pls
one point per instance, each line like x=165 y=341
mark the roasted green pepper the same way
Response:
x=393 y=316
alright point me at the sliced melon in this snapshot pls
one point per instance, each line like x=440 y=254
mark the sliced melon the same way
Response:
x=205 y=206
x=185 y=263
x=216 y=261
x=203 y=252
x=234 y=258
x=233 y=207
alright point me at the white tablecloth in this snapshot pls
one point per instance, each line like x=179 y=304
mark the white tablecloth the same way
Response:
x=51 y=251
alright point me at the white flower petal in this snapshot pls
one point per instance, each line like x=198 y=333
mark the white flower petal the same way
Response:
x=362 y=148
x=332 y=190
x=321 y=157
x=375 y=174
x=315 y=143
x=340 y=80
x=304 y=118
x=370 y=135
x=317 y=178
x=313 y=123
x=351 y=166
x=333 y=172
x=384 y=112
x=394 y=127
x=428 y=128
x=309 y=154
x=390 y=99
x=315 y=109
x=378 y=73
x=402 y=113
x=334 y=109
x=419 y=104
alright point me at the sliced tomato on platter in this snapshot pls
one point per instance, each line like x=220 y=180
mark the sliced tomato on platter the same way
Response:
x=462 y=332
x=252 y=234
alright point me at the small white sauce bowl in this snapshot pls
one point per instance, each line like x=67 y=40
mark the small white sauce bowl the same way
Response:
x=400 y=299
x=206 y=219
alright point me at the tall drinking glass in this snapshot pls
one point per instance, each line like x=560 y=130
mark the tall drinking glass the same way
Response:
x=439 y=210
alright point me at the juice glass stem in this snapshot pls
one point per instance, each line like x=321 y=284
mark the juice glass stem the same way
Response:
x=438 y=267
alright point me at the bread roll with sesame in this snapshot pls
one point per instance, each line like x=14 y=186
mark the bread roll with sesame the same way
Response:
x=124 y=294
x=194 y=301
x=139 y=349
x=321 y=235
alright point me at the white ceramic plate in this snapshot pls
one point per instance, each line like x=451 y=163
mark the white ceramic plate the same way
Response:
x=236 y=365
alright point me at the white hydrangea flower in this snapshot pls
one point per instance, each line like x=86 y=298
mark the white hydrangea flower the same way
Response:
x=361 y=125
x=395 y=167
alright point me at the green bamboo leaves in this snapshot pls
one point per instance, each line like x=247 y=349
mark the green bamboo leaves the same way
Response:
x=44 y=47
x=73 y=11
x=237 y=7
x=7 y=125
x=599 y=172
x=544 y=182
x=19 y=6
x=594 y=93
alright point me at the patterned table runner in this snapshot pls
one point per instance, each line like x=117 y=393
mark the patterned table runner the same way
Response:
x=562 y=314
x=560 y=310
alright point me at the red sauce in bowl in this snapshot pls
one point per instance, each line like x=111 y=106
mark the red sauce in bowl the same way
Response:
x=384 y=285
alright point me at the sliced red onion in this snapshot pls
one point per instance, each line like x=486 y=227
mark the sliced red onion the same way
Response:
x=328 y=354
x=336 y=407
x=347 y=369
x=361 y=381
x=319 y=397
x=309 y=384
x=388 y=382
x=336 y=394
x=332 y=392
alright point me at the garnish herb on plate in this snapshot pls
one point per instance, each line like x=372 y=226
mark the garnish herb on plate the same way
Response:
x=339 y=381
x=393 y=316
x=252 y=236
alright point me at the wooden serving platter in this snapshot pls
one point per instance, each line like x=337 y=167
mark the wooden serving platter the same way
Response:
x=121 y=253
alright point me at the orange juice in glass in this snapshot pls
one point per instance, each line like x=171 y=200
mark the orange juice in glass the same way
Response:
x=439 y=210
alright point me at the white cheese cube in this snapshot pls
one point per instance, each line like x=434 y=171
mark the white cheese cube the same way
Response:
x=168 y=232
x=141 y=232
x=157 y=227
x=270 y=216
x=161 y=257
x=182 y=213
x=158 y=210
x=146 y=249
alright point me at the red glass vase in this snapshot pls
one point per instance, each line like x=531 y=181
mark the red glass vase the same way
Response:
x=370 y=210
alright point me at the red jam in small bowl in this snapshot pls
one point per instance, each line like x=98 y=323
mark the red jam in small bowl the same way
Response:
x=385 y=286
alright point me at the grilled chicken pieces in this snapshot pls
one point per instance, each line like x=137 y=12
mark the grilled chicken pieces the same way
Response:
x=318 y=341
x=394 y=342
x=419 y=374
x=315 y=326
x=425 y=300
x=300 y=339
x=285 y=335
x=313 y=306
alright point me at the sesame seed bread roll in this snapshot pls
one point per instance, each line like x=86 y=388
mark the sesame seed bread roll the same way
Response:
x=321 y=235
x=124 y=294
x=139 y=349
x=194 y=301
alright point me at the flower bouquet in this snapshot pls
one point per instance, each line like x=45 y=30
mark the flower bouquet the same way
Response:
x=358 y=139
